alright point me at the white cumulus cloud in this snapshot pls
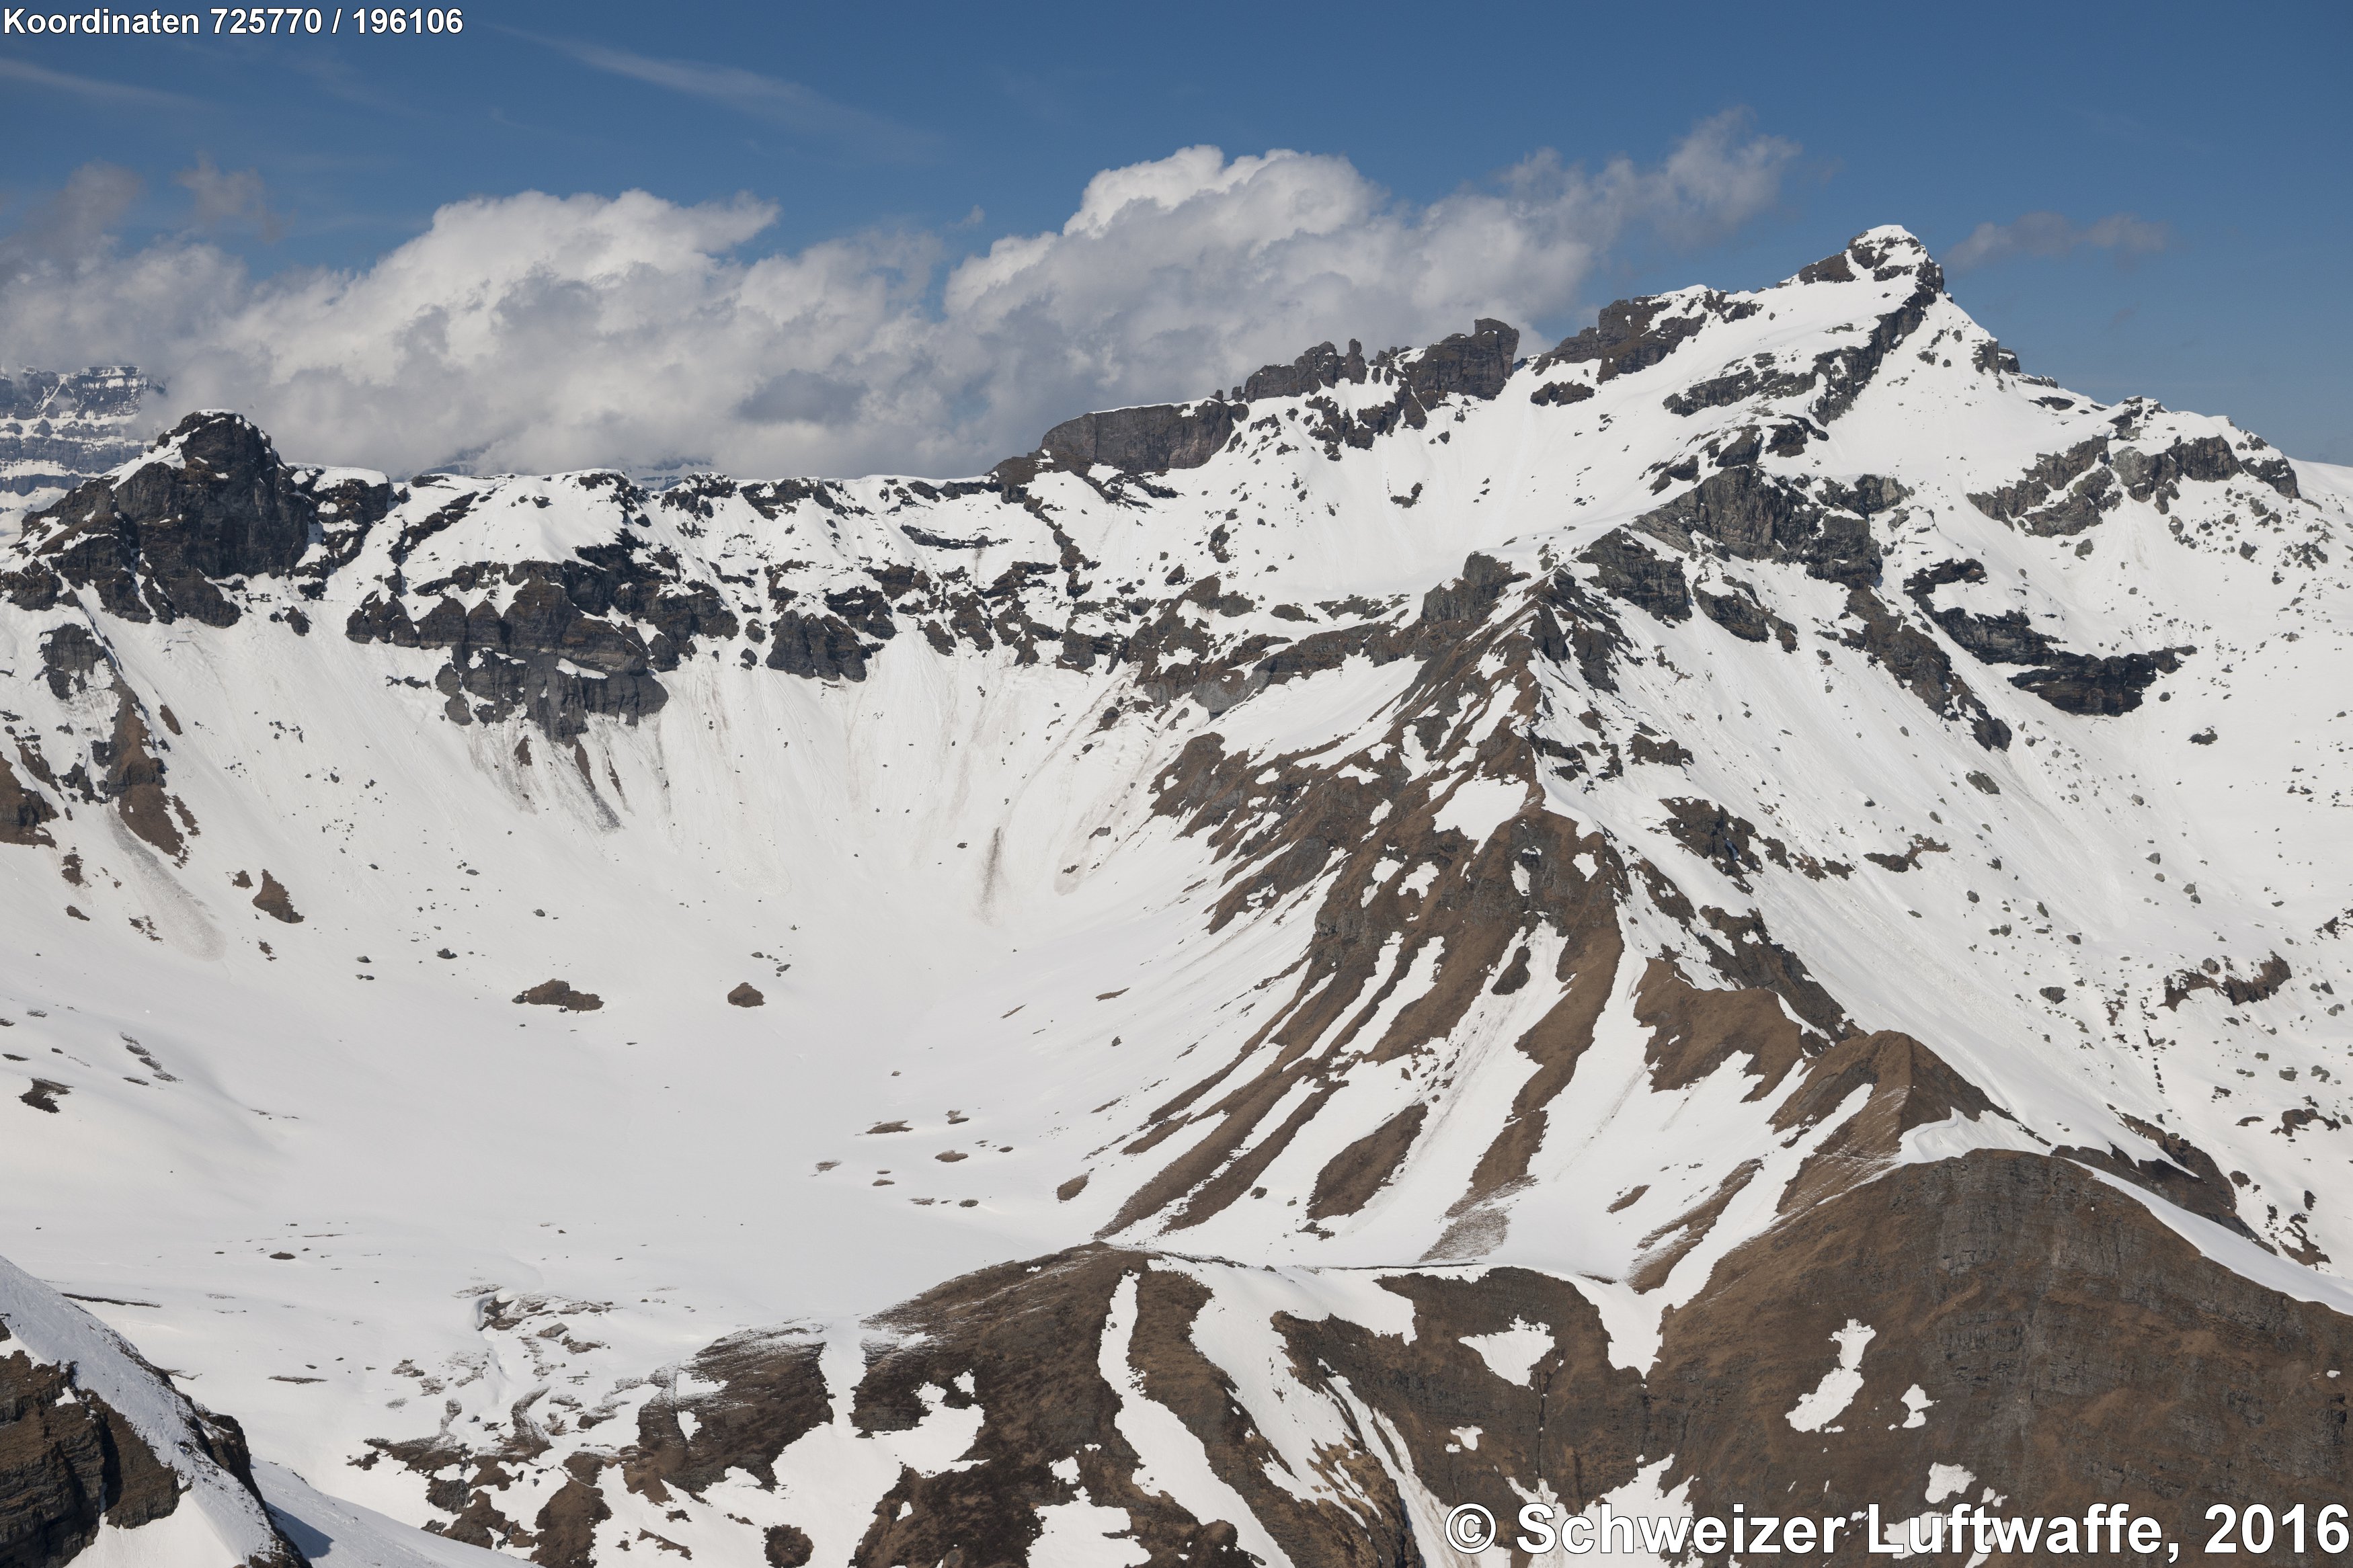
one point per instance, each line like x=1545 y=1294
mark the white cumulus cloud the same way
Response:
x=535 y=332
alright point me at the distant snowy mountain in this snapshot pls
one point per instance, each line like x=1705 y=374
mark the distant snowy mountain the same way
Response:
x=57 y=430
x=1751 y=906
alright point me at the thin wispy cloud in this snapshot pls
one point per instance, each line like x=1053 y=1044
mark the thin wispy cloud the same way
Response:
x=93 y=88
x=335 y=75
x=796 y=108
x=230 y=198
x=70 y=226
x=2051 y=233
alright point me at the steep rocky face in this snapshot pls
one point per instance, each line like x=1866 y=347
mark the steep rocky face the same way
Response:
x=157 y=540
x=2016 y=1293
x=1744 y=908
x=1144 y=440
x=1318 y=368
x=2070 y=682
x=62 y=1466
x=1157 y=438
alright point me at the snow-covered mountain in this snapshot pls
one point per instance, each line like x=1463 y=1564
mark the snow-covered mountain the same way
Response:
x=57 y=430
x=1751 y=905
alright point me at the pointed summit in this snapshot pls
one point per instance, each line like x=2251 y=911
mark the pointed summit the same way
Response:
x=1879 y=254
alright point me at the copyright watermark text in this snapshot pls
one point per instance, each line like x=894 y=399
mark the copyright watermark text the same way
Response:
x=2103 y=1530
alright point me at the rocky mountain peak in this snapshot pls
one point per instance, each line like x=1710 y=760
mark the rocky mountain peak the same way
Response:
x=1882 y=255
x=169 y=533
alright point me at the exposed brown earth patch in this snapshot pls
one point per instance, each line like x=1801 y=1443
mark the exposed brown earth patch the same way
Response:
x=1664 y=1247
x=23 y=811
x=1906 y=1085
x=2182 y=1173
x=768 y=1393
x=1350 y=1178
x=1574 y=1422
x=274 y=901
x=1694 y=1032
x=1910 y=859
x=1025 y=1338
x=2076 y=1348
x=134 y=782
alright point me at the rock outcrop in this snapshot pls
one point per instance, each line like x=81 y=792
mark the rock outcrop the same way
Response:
x=94 y=1441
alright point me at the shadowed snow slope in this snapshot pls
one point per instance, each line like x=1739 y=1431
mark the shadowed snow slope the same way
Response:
x=1489 y=926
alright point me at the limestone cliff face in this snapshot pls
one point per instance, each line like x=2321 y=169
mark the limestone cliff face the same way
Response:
x=60 y=429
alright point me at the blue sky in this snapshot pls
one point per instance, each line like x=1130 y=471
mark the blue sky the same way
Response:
x=2182 y=172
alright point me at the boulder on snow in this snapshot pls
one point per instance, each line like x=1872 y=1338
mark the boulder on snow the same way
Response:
x=556 y=994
